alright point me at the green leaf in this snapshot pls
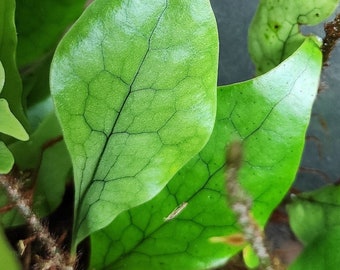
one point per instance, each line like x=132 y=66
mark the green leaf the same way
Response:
x=274 y=32
x=12 y=90
x=54 y=171
x=40 y=25
x=250 y=258
x=134 y=84
x=270 y=113
x=2 y=77
x=314 y=218
x=9 y=124
x=28 y=154
x=46 y=157
x=6 y=158
x=38 y=94
x=40 y=110
x=7 y=254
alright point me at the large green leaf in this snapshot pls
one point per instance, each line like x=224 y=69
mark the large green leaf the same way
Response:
x=274 y=32
x=40 y=25
x=12 y=91
x=8 y=259
x=315 y=220
x=134 y=84
x=270 y=114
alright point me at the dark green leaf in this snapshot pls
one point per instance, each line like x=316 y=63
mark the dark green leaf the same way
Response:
x=40 y=24
x=270 y=114
x=134 y=85
x=54 y=171
x=38 y=94
x=28 y=154
x=315 y=220
x=12 y=91
x=46 y=157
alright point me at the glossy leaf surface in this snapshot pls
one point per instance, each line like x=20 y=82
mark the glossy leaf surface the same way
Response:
x=134 y=84
x=270 y=114
x=274 y=32
x=315 y=220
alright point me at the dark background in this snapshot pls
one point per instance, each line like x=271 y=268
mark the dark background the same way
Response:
x=319 y=165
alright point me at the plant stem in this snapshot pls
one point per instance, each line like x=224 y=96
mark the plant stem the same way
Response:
x=332 y=30
x=56 y=259
x=241 y=204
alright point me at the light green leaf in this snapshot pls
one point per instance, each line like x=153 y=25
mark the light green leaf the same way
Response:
x=8 y=258
x=12 y=90
x=314 y=218
x=6 y=158
x=9 y=124
x=134 y=84
x=40 y=25
x=274 y=32
x=250 y=258
x=270 y=114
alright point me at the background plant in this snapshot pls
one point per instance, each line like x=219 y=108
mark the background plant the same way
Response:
x=136 y=99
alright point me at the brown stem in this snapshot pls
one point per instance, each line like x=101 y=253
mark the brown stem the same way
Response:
x=241 y=204
x=56 y=259
x=332 y=30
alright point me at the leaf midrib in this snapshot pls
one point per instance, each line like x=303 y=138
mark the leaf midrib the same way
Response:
x=83 y=195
